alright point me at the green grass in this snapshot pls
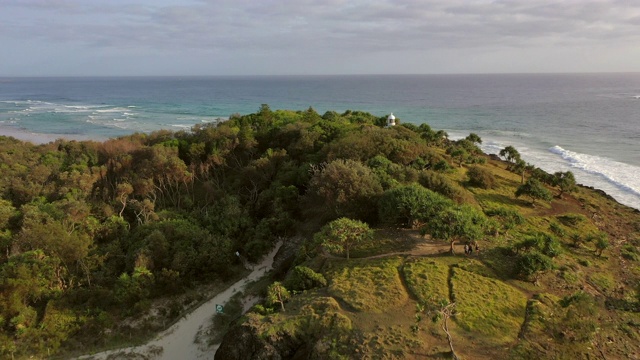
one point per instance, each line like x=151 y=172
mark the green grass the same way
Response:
x=427 y=280
x=604 y=282
x=372 y=285
x=477 y=267
x=488 y=307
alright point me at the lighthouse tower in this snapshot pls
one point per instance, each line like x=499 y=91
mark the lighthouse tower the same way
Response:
x=391 y=120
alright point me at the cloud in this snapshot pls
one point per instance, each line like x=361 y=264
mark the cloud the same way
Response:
x=335 y=24
x=291 y=27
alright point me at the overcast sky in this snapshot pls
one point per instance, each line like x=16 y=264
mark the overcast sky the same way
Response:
x=256 y=37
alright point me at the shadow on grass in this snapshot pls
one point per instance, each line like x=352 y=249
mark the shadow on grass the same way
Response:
x=500 y=260
x=621 y=304
x=387 y=241
x=500 y=199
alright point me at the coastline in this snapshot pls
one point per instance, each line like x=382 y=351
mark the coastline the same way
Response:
x=42 y=138
x=46 y=138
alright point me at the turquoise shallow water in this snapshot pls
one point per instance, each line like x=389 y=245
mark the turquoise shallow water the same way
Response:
x=589 y=123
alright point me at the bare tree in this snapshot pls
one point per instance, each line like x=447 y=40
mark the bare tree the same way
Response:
x=443 y=312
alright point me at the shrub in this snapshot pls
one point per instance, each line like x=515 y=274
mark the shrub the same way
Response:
x=481 y=177
x=443 y=185
x=441 y=165
x=344 y=188
x=341 y=235
x=534 y=190
x=557 y=229
x=277 y=294
x=507 y=218
x=630 y=252
x=410 y=205
x=542 y=242
x=572 y=219
x=531 y=264
x=304 y=278
x=584 y=262
x=601 y=245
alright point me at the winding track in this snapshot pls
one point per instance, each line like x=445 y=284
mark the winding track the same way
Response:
x=179 y=340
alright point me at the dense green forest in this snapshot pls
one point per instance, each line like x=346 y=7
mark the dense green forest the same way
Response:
x=94 y=234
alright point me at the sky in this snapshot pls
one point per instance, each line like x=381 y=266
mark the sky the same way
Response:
x=305 y=37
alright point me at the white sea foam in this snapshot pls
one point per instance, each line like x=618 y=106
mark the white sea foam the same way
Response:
x=617 y=179
x=120 y=110
x=621 y=175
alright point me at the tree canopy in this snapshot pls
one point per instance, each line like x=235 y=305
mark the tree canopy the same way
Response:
x=535 y=190
x=459 y=223
x=341 y=235
x=94 y=233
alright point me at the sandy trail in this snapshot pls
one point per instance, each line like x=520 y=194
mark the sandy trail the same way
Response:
x=178 y=341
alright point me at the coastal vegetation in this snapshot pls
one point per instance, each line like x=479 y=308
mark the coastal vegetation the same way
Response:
x=104 y=244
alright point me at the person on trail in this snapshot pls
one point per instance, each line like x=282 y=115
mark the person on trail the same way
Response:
x=477 y=248
x=470 y=250
x=466 y=249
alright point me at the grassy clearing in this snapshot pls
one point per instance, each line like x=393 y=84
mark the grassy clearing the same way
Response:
x=427 y=280
x=372 y=285
x=487 y=306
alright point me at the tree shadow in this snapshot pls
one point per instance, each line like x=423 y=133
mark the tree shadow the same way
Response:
x=498 y=198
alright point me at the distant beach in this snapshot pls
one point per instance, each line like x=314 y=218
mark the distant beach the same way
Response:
x=41 y=138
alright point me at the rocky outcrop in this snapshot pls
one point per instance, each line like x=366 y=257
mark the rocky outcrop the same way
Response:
x=307 y=334
x=286 y=255
x=244 y=342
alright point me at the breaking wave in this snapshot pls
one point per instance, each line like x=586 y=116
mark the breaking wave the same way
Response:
x=621 y=175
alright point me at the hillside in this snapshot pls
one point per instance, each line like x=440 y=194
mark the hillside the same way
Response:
x=583 y=306
x=105 y=244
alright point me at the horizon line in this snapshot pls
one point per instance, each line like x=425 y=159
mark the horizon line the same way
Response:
x=311 y=75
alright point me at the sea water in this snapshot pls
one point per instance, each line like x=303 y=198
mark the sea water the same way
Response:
x=586 y=123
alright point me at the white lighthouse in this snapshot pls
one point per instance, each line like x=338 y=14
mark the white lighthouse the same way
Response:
x=391 y=120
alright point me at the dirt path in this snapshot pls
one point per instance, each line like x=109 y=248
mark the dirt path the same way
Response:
x=418 y=245
x=179 y=341
x=427 y=247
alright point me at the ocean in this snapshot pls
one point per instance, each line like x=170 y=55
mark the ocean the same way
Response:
x=586 y=123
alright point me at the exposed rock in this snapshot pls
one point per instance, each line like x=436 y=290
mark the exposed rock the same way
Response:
x=286 y=255
x=308 y=335
x=243 y=342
